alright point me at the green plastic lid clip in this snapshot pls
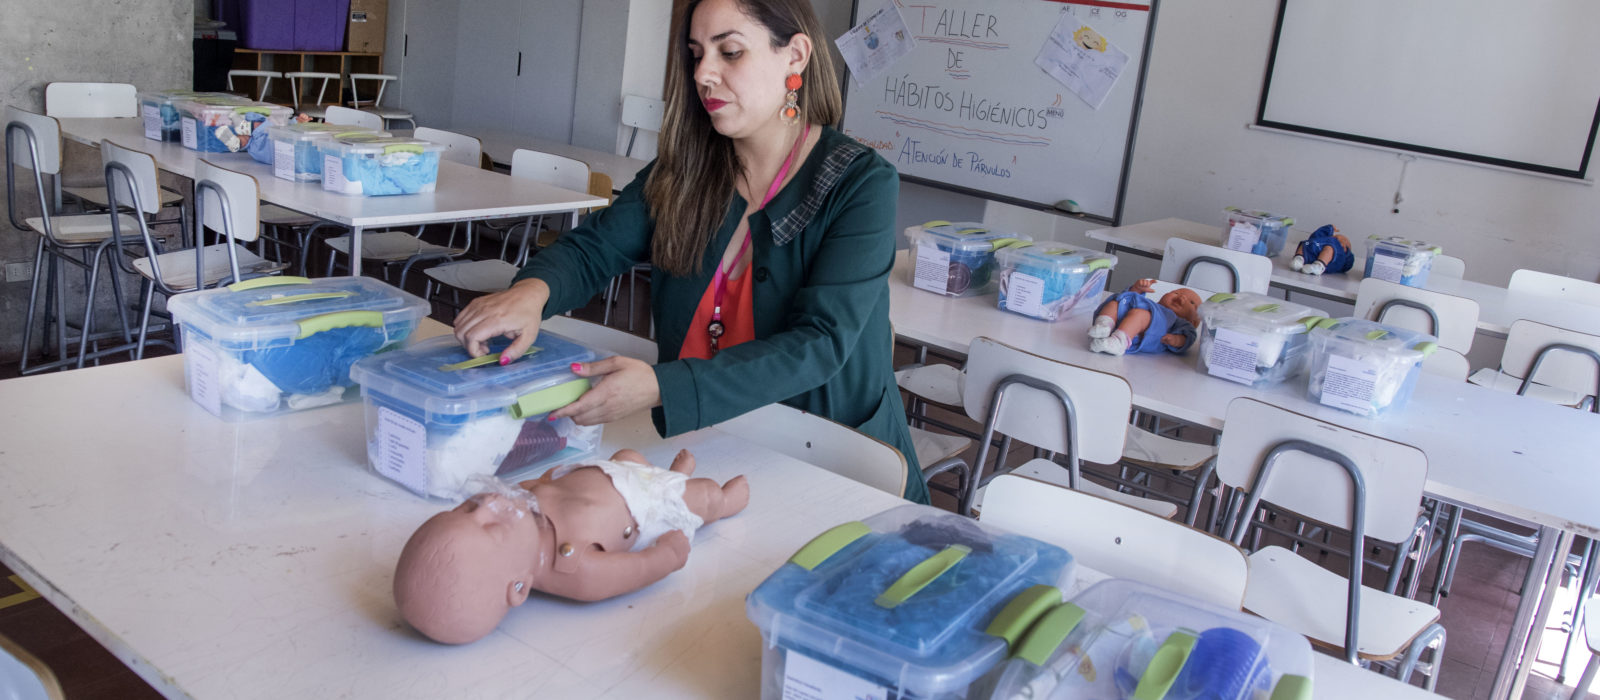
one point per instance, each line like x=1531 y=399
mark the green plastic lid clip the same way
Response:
x=1220 y=297
x=550 y=399
x=1046 y=636
x=259 y=282
x=481 y=360
x=339 y=319
x=921 y=575
x=827 y=544
x=1426 y=347
x=1266 y=308
x=1379 y=334
x=1163 y=669
x=1021 y=611
x=1292 y=687
x=402 y=148
x=297 y=298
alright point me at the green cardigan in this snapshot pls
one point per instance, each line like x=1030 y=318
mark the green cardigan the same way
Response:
x=822 y=251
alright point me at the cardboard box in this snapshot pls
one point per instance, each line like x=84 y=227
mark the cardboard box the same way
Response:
x=368 y=25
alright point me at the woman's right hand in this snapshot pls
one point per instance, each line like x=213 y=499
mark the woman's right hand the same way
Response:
x=514 y=313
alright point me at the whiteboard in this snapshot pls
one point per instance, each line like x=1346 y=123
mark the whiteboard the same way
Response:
x=1514 y=84
x=969 y=110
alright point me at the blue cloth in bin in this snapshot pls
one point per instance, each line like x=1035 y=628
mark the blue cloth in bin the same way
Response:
x=260 y=146
x=423 y=370
x=307 y=158
x=321 y=361
x=406 y=176
x=206 y=140
x=169 y=119
x=969 y=269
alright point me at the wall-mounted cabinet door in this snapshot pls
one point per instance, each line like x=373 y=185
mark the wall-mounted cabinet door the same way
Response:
x=422 y=52
x=489 y=61
x=550 y=68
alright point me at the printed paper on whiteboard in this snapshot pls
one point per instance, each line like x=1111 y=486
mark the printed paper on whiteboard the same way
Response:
x=1082 y=59
x=876 y=43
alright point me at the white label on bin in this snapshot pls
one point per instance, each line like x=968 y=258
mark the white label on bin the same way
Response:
x=933 y=270
x=1233 y=356
x=152 y=121
x=283 y=159
x=401 y=452
x=190 y=140
x=1025 y=295
x=201 y=362
x=333 y=174
x=1348 y=384
x=805 y=678
x=1388 y=265
x=1243 y=236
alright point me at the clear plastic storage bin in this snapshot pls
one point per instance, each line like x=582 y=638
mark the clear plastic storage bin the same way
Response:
x=159 y=110
x=1259 y=232
x=1051 y=281
x=956 y=259
x=1252 y=338
x=1399 y=260
x=1364 y=367
x=437 y=417
x=224 y=124
x=296 y=148
x=1123 y=639
x=277 y=344
x=913 y=602
x=379 y=166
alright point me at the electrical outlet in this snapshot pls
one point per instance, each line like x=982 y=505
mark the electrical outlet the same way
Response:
x=19 y=271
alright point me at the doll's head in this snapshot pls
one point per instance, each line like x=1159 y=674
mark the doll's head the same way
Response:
x=464 y=569
x=1185 y=303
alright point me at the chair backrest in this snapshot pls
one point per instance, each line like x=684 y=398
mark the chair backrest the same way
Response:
x=46 y=139
x=137 y=187
x=1119 y=540
x=243 y=201
x=1213 y=267
x=263 y=78
x=602 y=337
x=550 y=169
x=69 y=100
x=1393 y=473
x=835 y=447
x=322 y=89
x=352 y=117
x=1447 y=363
x=24 y=677
x=377 y=99
x=1574 y=364
x=458 y=148
x=1451 y=319
x=1448 y=266
x=640 y=112
x=1546 y=284
x=600 y=186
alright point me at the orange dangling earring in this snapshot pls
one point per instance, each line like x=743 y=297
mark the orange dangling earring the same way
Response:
x=790 y=114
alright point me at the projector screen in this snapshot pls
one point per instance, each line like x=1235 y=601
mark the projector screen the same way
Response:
x=1509 y=84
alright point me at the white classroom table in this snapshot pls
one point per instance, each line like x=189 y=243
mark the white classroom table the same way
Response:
x=243 y=560
x=1497 y=306
x=1513 y=456
x=499 y=145
x=463 y=193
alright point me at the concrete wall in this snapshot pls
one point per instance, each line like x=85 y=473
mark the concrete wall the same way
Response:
x=144 y=42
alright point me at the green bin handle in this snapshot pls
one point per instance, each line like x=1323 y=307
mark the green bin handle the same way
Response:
x=402 y=148
x=1220 y=297
x=1100 y=264
x=1020 y=613
x=1379 y=334
x=936 y=222
x=1163 y=669
x=1266 y=308
x=252 y=110
x=259 y=282
x=297 y=298
x=1426 y=347
x=1046 y=636
x=827 y=544
x=921 y=575
x=547 y=400
x=484 y=359
x=1311 y=322
x=338 y=319
x=1325 y=323
x=358 y=132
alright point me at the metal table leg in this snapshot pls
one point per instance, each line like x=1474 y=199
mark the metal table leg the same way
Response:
x=1533 y=612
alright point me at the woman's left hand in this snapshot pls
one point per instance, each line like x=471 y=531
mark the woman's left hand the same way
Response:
x=628 y=385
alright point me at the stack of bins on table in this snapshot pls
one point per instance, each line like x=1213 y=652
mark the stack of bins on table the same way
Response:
x=379 y=165
x=913 y=602
x=437 y=417
x=1400 y=260
x=159 y=110
x=272 y=345
x=225 y=124
x=1364 y=367
x=956 y=259
x=1253 y=339
x=1259 y=232
x=1122 y=639
x=297 y=148
x=1051 y=281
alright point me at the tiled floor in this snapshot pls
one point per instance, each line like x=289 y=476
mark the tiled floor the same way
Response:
x=1477 y=616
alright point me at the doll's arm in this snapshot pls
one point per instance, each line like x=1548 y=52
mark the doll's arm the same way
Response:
x=1143 y=286
x=602 y=575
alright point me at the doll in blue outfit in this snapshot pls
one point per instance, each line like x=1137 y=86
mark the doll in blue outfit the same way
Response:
x=1326 y=250
x=1130 y=322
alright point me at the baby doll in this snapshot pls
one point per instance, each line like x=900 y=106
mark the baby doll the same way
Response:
x=582 y=531
x=1130 y=322
x=1326 y=250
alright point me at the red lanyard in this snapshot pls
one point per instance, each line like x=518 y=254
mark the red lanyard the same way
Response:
x=719 y=281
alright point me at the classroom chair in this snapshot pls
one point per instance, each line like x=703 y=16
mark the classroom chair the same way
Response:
x=263 y=79
x=24 y=677
x=1211 y=267
x=813 y=439
x=1591 y=635
x=1120 y=541
x=1546 y=284
x=458 y=148
x=1451 y=319
x=317 y=108
x=640 y=112
x=1059 y=408
x=1447 y=363
x=375 y=105
x=1366 y=485
x=335 y=114
x=1548 y=363
x=97 y=100
x=1448 y=266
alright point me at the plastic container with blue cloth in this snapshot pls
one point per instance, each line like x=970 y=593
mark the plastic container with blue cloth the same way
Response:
x=219 y=125
x=1123 y=639
x=159 y=111
x=276 y=344
x=956 y=259
x=1051 y=281
x=1254 y=231
x=379 y=166
x=1365 y=367
x=1400 y=260
x=913 y=602
x=436 y=417
x=1254 y=339
x=295 y=153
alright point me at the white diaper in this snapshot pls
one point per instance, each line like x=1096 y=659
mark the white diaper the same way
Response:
x=654 y=497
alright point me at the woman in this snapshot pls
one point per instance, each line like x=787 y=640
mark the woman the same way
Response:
x=771 y=235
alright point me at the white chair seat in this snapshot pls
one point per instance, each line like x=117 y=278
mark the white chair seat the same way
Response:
x=1048 y=471
x=391 y=246
x=388 y=113
x=936 y=383
x=1500 y=381
x=85 y=228
x=933 y=448
x=1148 y=449
x=1297 y=593
x=177 y=267
x=475 y=275
x=279 y=216
x=97 y=196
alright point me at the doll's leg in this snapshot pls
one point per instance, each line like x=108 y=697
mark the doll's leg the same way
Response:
x=707 y=499
x=1131 y=326
x=1104 y=318
x=1298 y=259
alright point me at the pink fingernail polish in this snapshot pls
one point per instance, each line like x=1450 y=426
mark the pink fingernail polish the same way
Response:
x=551 y=419
x=577 y=367
x=504 y=360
